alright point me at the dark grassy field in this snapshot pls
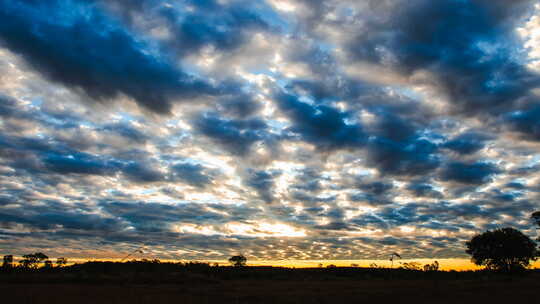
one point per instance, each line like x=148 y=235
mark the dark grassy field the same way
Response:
x=241 y=291
x=102 y=283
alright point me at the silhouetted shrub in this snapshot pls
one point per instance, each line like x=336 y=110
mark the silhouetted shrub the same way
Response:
x=8 y=262
x=505 y=249
x=432 y=267
x=32 y=261
x=238 y=260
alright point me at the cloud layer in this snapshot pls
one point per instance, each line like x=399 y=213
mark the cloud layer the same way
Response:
x=282 y=129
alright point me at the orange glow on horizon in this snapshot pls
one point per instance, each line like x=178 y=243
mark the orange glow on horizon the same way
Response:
x=458 y=264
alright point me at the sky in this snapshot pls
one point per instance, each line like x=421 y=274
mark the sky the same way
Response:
x=279 y=129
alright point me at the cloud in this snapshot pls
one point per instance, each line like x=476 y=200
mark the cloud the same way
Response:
x=328 y=129
x=79 y=163
x=410 y=158
x=467 y=143
x=325 y=127
x=235 y=135
x=211 y=23
x=140 y=172
x=88 y=50
x=126 y=131
x=158 y=217
x=262 y=182
x=192 y=174
x=422 y=189
x=469 y=173
x=55 y=215
x=527 y=122
x=478 y=72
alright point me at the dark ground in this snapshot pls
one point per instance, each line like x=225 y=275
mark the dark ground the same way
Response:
x=418 y=291
x=141 y=284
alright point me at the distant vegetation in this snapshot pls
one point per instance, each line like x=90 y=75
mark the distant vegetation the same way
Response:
x=506 y=249
x=155 y=282
x=504 y=252
x=238 y=260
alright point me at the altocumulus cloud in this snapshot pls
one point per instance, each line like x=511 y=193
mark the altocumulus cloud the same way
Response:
x=282 y=129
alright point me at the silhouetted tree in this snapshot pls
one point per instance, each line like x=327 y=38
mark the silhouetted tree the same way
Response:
x=31 y=261
x=536 y=217
x=504 y=249
x=238 y=260
x=411 y=266
x=432 y=267
x=61 y=262
x=8 y=261
x=47 y=264
x=392 y=256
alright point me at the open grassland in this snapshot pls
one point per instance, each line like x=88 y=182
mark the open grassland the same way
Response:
x=141 y=283
x=262 y=291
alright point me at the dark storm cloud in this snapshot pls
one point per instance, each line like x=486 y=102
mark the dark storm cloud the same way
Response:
x=56 y=215
x=393 y=127
x=516 y=185
x=506 y=197
x=321 y=125
x=126 y=131
x=527 y=122
x=140 y=172
x=309 y=200
x=309 y=180
x=239 y=106
x=465 y=44
x=157 y=216
x=88 y=50
x=47 y=156
x=370 y=199
x=195 y=24
x=192 y=174
x=8 y=107
x=467 y=143
x=469 y=173
x=398 y=147
x=379 y=156
x=422 y=189
x=334 y=226
x=376 y=188
x=408 y=158
x=443 y=215
x=263 y=182
x=235 y=135
x=223 y=26
x=79 y=163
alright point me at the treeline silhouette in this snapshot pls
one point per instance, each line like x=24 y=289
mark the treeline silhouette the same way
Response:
x=156 y=272
x=504 y=250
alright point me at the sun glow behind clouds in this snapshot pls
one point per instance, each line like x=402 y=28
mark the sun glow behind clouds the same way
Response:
x=263 y=229
x=374 y=150
x=282 y=5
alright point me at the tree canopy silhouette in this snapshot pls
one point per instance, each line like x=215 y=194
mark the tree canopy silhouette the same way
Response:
x=504 y=249
x=32 y=261
x=60 y=262
x=536 y=217
x=238 y=260
x=8 y=261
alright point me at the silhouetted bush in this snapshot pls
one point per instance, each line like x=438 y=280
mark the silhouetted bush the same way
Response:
x=32 y=261
x=504 y=249
x=238 y=260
